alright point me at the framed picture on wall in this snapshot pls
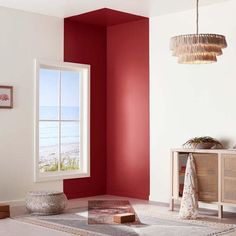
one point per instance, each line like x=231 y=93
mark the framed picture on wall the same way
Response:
x=6 y=96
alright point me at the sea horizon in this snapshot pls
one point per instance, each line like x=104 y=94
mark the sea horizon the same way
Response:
x=49 y=129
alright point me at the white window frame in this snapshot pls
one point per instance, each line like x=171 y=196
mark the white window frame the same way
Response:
x=84 y=170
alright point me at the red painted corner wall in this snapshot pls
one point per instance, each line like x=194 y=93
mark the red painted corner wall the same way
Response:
x=86 y=44
x=128 y=109
x=117 y=48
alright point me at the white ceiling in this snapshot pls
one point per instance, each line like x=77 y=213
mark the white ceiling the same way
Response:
x=64 y=8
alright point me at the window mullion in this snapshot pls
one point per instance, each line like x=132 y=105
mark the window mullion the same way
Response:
x=81 y=156
x=60 y=120
x=59 y=148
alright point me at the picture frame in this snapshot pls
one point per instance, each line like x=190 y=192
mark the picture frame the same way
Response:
x=6 y=97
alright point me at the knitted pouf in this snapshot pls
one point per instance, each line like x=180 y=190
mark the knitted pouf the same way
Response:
x=45 y=202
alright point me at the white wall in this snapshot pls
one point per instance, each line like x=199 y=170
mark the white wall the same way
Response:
x=189 y=100
x=23 y=37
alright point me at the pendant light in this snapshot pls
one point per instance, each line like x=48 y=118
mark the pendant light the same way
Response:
x=197 y=48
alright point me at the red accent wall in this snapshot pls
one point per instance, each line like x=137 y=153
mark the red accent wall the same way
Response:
x=118 y=54
x=105 y=17
x=86 y=44
x=128 y=109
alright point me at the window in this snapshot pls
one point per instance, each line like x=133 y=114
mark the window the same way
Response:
x=62 y=121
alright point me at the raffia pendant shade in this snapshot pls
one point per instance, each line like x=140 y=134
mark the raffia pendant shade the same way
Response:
x=197 y=48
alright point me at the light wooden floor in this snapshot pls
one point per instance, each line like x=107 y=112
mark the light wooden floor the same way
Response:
x=10 y=227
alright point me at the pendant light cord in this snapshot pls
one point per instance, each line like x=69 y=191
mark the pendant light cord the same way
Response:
x=197 y=15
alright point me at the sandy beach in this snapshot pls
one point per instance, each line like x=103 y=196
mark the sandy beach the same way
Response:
x=48 y=156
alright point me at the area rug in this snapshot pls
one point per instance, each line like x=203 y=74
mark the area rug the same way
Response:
x=102 y=211
x=75 y=221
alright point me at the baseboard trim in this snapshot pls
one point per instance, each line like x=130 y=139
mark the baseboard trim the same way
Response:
x=202 y=206
x=164 y=204
x=14 y=203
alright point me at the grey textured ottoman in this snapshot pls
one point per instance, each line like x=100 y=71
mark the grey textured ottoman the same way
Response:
x=45 y=202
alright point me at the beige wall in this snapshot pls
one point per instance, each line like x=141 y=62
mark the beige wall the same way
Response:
x=189 y=100
x=23 y=37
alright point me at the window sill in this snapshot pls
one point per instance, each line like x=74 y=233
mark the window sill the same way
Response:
x=47 y=177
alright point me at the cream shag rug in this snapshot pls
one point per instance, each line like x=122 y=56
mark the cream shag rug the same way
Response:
x=75 y=221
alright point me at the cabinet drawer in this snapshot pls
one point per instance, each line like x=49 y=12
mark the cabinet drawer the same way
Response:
x=229 y=190
x=229 y=165
x=206 y=164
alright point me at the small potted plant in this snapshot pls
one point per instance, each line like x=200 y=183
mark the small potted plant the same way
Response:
x=204 y=142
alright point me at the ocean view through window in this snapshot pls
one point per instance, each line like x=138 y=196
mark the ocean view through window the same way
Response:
x=62 y=129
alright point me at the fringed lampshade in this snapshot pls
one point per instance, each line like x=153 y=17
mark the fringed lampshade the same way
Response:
x=197 y=48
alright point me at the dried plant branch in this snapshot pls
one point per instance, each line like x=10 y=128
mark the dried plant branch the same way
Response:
x=193 y=142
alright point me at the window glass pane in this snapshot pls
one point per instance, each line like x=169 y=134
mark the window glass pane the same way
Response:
x=70 y=151
x=70 y=93
x=48 y=94
x=48 y=146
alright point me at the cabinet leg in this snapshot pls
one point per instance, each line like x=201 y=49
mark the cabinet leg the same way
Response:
x=172 y=204
x=220 y=211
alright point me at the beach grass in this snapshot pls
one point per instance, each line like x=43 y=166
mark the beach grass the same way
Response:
x=69 y=160
x=71 y=164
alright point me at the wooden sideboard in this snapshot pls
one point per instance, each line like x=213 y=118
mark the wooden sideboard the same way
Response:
x=216 y=173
